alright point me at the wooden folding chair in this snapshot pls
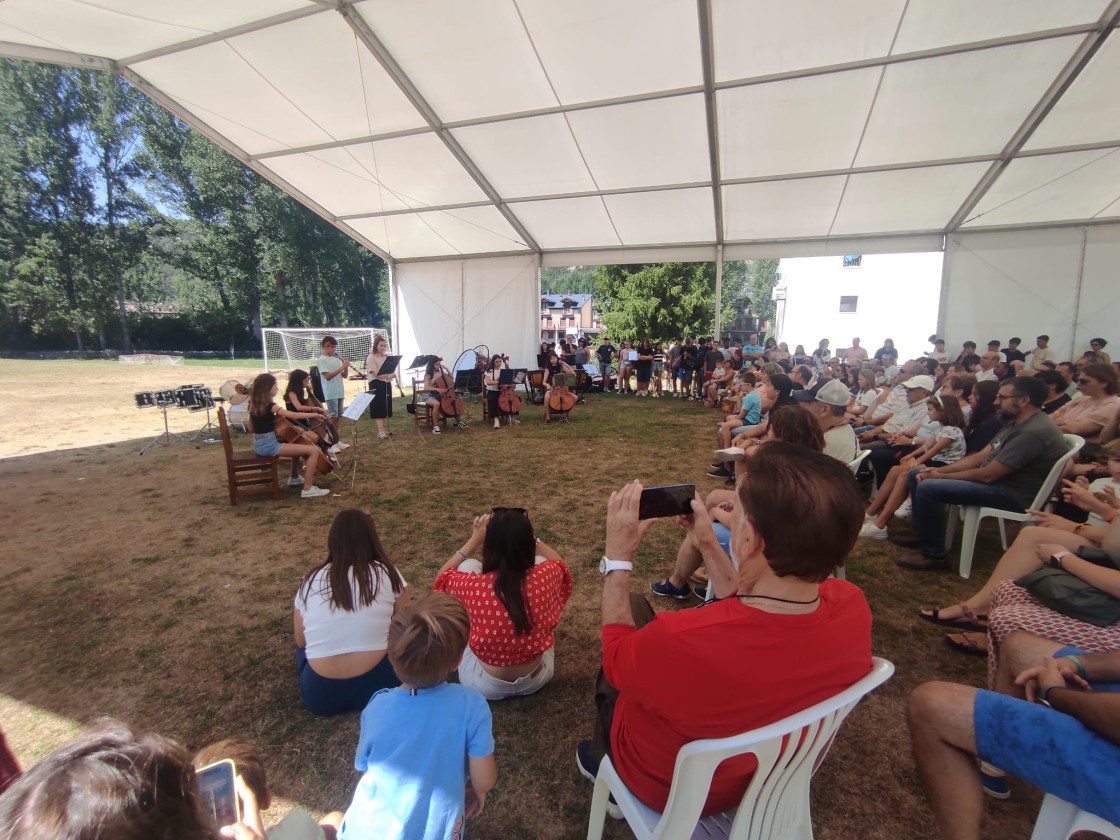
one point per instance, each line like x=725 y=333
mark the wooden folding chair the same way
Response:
x=248 y=474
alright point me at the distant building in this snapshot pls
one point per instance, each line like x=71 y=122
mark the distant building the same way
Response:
x=568 y=315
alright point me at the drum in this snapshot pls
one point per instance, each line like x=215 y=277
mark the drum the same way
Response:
x=204 y=399
x=145 y=399
x=165 y=397
x=186 y=396
x=228 y=389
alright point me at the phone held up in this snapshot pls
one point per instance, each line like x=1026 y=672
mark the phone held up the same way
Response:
x=219 y=794
x=667 y=500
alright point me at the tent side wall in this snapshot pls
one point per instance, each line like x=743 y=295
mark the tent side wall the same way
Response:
x=1061 y=282
x=445 y=306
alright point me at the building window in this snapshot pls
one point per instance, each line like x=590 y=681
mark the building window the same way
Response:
x=853 y=260
x=848 y=303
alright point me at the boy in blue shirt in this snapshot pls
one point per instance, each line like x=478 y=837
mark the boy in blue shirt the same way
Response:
x=333 y=372
x=426 y=748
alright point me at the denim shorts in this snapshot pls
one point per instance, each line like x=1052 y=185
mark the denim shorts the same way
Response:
x=267 y=445
x=334 y=407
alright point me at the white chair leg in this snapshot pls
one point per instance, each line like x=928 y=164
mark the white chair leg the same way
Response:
x=968 y=539
x=1003 y=532
x=951 y=526
x=598 y=816
x=1055 y=819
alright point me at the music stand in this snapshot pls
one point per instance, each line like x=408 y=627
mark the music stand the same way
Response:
x=354 y=412
x=390 y=365
x=512 y=376
x=421 y=361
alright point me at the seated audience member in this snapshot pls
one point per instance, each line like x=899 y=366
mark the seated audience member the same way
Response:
x=988 y=364
x=426 y=749
x=1067 y=743
x=1006 y=474
x=968 y=349
x=778 y=394
x=890 y=369
x=802 y=377
x=342 y=614
x=749 y=413
x=944 y=446
x=113 y=783
x=1012 y=353
x=1057 y=397
x=827 y=407
x=894 y=438
x=892 y=398
x=782 y=636
x=722 y=376
x=958 y=386
x=993 y=347
x=514 y=597
x=1068 y=372
x=939 y=350
x=983 y=417
x=1088 y=415
x=800 y=357
x=297 y=824
x=788 y=424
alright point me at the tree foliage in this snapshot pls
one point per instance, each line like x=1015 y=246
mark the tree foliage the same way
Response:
x=659 y=301
x=574 y=280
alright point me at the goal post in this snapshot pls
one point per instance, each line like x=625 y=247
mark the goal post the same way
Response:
x=298 y=348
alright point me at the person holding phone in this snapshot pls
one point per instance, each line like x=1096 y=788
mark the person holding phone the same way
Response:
x=514 y=596
x=342 y=612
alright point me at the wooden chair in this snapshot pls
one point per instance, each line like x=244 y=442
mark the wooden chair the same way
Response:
x=421 y=412
x=249 y=474
x=536 y=386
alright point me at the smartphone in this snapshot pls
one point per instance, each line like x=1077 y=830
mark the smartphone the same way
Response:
x=219 y=796
x=669 y=500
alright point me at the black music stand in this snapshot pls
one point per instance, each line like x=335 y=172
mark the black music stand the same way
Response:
x=469 y=380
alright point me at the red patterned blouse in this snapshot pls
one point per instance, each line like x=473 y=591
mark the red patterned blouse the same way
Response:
x=547 y=587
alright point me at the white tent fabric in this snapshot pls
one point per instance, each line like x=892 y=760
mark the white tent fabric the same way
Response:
x=1060 y=282
x=437 y=129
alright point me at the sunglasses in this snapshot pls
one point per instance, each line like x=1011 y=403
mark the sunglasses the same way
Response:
x=522 y=511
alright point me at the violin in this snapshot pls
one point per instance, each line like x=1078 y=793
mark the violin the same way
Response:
x=289 y=432
x=450 y=403
x=561 y=399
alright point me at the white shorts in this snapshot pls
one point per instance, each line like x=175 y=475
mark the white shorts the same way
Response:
x=472 y=675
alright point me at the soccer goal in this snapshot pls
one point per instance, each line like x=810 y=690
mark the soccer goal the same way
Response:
x=298 y=348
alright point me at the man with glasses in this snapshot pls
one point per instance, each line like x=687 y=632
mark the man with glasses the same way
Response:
x=1006 y=474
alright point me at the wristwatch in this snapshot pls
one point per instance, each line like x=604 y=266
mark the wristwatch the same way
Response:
x=606 y=566
x=1044 y=696
x=1055 y=561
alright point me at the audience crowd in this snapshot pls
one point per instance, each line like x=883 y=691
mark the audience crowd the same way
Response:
x=777 y=631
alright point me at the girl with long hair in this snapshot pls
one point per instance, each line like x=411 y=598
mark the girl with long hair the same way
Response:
x=493 y=389
x=643 y=367
x=263 y=412
x=983 y=421
x=552 y=369
x=296 y=397
x=381 y=409
x=343 y=608
x=514 y=597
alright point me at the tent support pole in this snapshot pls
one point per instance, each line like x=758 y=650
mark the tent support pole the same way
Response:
x=719 y=288
x=1077 y=296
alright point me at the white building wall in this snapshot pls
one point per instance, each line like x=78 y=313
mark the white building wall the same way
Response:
x=897 y=297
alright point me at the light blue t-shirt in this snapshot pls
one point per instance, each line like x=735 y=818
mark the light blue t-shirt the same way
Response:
x=413 y=751
x=753 y=349
x=335 y=388
x=752 y=404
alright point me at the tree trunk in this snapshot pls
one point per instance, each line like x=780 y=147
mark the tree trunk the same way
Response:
x=281 y=296
x=111 y=225
x=102 y=344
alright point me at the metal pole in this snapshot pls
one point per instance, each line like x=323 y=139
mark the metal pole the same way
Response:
x=719 y=288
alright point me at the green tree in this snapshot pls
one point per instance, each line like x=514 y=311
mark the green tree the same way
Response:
x=660 y=301
x=574 y=280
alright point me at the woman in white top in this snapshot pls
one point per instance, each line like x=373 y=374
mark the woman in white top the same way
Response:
x=342 y=614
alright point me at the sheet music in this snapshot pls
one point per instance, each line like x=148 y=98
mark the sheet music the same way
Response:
x=358 y=405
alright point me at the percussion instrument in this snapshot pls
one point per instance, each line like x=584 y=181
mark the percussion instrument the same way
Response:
x=145 y=399
x=165 y=397
x=186 y=396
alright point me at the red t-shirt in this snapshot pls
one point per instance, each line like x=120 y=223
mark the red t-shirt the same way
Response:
x=546 y=590
x=721 y=670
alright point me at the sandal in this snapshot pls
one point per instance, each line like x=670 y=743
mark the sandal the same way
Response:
x=966 y=643
x=967 y=620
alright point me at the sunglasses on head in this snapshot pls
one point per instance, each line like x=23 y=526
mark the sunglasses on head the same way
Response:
x=522 y=511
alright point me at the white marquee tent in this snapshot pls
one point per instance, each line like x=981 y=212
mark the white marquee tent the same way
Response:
x=469 y=142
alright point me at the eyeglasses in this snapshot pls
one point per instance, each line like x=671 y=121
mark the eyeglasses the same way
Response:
x=1001 y=397
x=522 y=511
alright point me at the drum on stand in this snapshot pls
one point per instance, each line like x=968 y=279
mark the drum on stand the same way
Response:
x=145 y=399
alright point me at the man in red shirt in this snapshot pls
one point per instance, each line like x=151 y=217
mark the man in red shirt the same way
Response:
x=780 y=636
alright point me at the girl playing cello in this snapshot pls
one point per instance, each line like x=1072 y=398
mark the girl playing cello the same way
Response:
x=437 y=379
x=554 y=367
x=493 y=389
x=262 y=415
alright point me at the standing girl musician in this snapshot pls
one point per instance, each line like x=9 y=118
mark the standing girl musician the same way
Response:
x=262 y=416
x=643 y=367
x=493 y=389
x=625 y=368
x=380 y=386
x=554 y=367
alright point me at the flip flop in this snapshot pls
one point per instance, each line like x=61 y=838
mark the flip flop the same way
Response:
x=966 y=643
x=966 y=621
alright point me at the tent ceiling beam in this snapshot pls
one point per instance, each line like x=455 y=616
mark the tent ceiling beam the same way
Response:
x=27 y=52
x=169 y=104
x=338 y=144
x=379 y=51
x=1077 y=62
x=707 y=63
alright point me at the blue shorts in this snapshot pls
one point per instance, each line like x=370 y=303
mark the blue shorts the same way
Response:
x=267 y=445
x=324 y=696
x=607 y=369
x=334 y=407
x=685 y=375
x=723 y=534
x=1051 y=750
x=434 y=395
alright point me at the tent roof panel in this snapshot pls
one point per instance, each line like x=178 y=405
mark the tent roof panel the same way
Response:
x=781 y=209
x=568 y=222
x=645 y=143
x=663 y=217
x=527 y=157
x=776 y=128
x=1090 y=110
x=960 y=105
x=441 y=233
x=1052 y=188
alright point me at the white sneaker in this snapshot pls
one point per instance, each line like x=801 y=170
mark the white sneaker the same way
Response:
x=435 y=430
x=871 y=531
x=334 y=450
x=295 y=482
x=731 y=453
x=338 y=447
x=314 y=493
x=904 y=510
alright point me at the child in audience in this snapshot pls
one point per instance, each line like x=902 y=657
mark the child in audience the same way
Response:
x=1109 y=484
x=297 y=824
x=417 y=782
x=750 y=410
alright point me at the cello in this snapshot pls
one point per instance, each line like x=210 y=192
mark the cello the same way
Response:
x=508 y=401
x=562 y=400
x=323 y=426
x=450 y=403
x=289 y=432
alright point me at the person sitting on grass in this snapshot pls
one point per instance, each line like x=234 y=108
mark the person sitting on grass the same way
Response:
x=514 y=597
x=115 y=783
x=426 y=749
x=943 y=447
x=782 y=636
x=342 y=613
x=297 y=824
x=790 y=425
x=263 y=412
x=1055 y=723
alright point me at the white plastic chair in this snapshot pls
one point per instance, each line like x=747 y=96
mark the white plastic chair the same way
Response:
x=1059 y=820
x=776 y=803
x=855 y=463
x=972 y=514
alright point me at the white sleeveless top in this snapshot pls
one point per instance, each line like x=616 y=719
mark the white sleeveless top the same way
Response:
x=330 y=631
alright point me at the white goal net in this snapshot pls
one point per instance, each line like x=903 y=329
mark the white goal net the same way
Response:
x=298 y=348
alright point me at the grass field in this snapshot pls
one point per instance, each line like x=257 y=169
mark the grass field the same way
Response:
x=129 y=587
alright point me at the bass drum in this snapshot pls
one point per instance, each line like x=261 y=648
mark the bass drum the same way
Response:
x=472 y=361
